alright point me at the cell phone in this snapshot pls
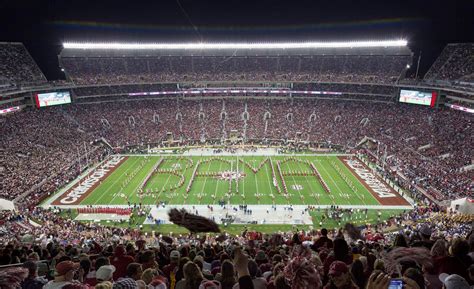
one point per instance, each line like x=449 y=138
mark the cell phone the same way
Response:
x=395 y=284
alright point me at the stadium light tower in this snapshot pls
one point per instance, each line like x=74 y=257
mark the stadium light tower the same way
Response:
x=236 y=45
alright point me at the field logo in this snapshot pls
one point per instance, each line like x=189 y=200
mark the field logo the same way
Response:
x=297 y=187
x=230 y=175
x=370 y=179
x=91 y=180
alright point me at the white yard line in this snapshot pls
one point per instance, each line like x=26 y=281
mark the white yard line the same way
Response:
x=307 y=181
x=345 y=169
x=294 y=182
x=265 y=167
x=164 y=186
x=256 y=183
x=332 y=179
x=377 y=207
x=205 y=179
x=217 y=181
x=243 y=180
x=138 y=186
x=118 y=179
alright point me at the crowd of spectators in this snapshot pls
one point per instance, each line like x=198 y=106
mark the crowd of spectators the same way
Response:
x=42 y=147
x=425 y=248
x=17 y=66
x=456 y=63
x=40 y=143
x=321 y=68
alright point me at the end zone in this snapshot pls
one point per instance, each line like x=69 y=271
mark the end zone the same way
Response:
x=84 y=186
x=381 y=191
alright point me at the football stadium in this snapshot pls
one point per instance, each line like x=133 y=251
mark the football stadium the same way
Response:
x=282 y=163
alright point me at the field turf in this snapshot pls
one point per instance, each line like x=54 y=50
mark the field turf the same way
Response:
x=124 y=183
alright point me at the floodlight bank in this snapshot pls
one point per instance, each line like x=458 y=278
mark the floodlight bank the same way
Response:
x=206 y=46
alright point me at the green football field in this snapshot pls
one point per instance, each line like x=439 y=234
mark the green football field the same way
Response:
x=189 y=180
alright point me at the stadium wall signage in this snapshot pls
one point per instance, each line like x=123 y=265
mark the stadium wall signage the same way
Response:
x=370 y=179
x=90 y=181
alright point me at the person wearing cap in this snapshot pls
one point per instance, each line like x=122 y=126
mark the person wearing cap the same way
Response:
x=339 y=253
x=105 y=273
x=64 y=275
x=171 y=269
x=453 y=281
x=339 y=277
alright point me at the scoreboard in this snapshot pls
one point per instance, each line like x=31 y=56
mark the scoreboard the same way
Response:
x=52 y=98
x=418 y=97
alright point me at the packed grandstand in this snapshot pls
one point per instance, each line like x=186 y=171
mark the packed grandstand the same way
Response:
x=340 y=99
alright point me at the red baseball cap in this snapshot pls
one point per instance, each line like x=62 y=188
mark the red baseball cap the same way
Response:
x=66 y=266
x=338 y=268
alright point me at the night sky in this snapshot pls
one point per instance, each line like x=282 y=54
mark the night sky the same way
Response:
x=43 y=25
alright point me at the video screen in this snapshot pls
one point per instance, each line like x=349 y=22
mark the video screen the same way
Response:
x=52 y=98
x=418 y=97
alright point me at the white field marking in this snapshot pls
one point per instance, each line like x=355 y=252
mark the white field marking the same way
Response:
x=217 y=182
x=375 y=207
x=210 y=153
x=139 y=184
x=294 y=181
x=307 y=181
x=116 y=180
x=256 y=182
x=77 y=180
x=265 y=167
x=332 y=179
x=205 y=179
x=243 y=179
x=164 y=186
x=345 y=169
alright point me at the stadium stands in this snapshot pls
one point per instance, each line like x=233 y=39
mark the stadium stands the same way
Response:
x=348 y=258
x=456 y=63
x=32 y=137
x=43 y=150
x=381 y=65
x=17 y=66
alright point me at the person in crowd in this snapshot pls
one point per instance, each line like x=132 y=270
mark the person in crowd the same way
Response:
x=153 y=279
x=33 y=281
x=192 y=277
x=340 y=277
x=258 y=282
x=458 y=261
x=227 y=275
x=64 y=276
x=120 y=261
x=453 y=281
x=171 y=269
x=322 y=241
x=105 y=273
x=358 y=274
